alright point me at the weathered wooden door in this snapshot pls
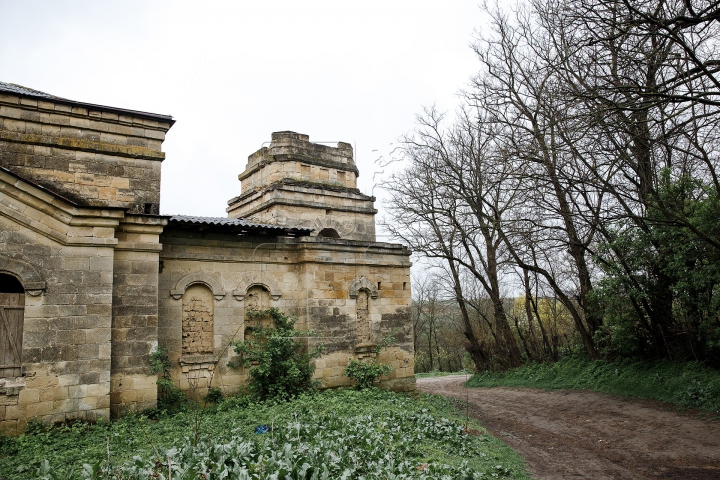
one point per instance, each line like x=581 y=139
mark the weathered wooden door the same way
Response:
x=12 y=312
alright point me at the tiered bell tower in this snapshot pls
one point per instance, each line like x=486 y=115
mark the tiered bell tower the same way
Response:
x=295 y=183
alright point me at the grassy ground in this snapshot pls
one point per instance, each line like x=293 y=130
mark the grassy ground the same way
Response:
x=334 y=434
x=689 y=385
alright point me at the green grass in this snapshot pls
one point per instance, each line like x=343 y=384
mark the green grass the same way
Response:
x=688 y=385
x=333 y=434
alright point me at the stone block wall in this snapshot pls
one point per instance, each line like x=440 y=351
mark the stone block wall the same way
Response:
x=298 y=145
x=336 y=273
x=343 y=175
x=63 y=256
x=352 y=215
x=306 y=276
x=89 y=154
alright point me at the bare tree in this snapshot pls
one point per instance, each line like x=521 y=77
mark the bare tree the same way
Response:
x=583 y=168
x=453 y=163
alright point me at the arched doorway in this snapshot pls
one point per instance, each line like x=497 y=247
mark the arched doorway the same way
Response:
x=12 y=314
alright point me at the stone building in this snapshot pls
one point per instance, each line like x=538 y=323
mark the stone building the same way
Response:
x=92 y=278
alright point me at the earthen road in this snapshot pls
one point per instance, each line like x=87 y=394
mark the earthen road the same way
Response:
x=580 y=434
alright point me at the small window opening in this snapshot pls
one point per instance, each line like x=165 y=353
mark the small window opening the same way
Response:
x=404 y=285
x=328 y=233
x=328 y=211
x=379 y=285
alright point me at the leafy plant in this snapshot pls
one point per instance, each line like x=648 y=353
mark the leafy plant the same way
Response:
x=214 y=395
x=331 y=435
x=170 y=397
x=663 y=299
x=367 y=372
x=279 y=364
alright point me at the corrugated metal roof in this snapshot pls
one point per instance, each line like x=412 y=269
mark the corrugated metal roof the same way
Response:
x=235 y=222
x=31 y=92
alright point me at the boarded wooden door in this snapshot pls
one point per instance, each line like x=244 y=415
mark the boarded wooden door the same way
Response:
x=12 y=310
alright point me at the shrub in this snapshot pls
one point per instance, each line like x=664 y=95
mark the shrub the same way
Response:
x=279 y=364
x=366 y=372
x=214 y=395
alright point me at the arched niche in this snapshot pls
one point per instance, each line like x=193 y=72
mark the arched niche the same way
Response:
x=362 y=283
x=328 y=233
x=362 y=290
x=258 y=300
x=261 y=280
x=198 y=325
x=206 y=278
x=362 y=316
x=26 y=274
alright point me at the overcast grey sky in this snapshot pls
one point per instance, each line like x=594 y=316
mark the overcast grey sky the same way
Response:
x=232 y=72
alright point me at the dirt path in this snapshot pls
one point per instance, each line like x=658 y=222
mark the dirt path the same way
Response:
x=580 y=434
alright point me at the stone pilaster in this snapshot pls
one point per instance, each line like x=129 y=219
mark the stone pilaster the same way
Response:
x=135 y=313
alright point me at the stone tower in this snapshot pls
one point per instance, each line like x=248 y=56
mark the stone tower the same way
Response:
x=296 y=183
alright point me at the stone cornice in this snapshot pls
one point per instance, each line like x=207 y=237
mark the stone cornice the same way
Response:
x=299 y=203
x=77 y=109
x=299 y=250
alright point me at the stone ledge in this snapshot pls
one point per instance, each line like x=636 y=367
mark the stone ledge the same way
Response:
x=366 y=350
x=11 y=387
x=197 y=362
x=298 y=158
x=101 y=113
x=304 y=204
x=83 y=145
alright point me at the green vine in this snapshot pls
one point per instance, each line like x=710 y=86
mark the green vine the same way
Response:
x=170 y=397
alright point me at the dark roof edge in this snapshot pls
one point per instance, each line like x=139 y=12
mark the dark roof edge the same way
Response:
x=104 y=108
x=234 y=224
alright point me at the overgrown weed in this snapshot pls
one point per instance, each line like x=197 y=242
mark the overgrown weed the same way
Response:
x=332 y=434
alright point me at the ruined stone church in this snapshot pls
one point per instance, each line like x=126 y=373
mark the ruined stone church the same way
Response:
x=93 y=278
